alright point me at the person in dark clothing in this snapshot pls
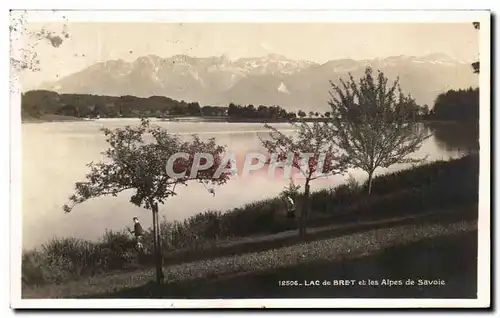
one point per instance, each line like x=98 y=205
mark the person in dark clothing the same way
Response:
x=138 y=232
x=290 y=207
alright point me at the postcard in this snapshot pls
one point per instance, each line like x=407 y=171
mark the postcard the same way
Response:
x=237 y=159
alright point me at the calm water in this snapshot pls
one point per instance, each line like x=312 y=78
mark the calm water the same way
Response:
x=54 y=156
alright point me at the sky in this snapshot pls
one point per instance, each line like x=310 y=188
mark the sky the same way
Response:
x=90 y=43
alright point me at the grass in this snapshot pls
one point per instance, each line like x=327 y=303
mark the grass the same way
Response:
x=433 y=187
x=189 y=277
x=450 y=258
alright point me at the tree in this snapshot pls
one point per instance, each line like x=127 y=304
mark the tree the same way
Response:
x=373 y=123
x=194 y=109
x=310 y=151
x=292 y=190
x=179 y=109
x=282 y=113
x=425 y=111
x=475 y=65
x=134 y=164
x=458 y=105
x=68 y=110
x=301 y=114
x=262 y=111
x=250 y=108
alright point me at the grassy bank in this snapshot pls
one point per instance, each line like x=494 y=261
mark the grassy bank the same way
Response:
x=197 y=279
x=436 y=186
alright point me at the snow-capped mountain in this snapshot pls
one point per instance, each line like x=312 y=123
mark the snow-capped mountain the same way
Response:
x=268 y=80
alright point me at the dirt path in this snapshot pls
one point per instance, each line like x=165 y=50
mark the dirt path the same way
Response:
x=181 y=277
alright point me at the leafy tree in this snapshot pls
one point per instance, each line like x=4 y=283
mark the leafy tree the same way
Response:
x=250 y=108
x=425 y=110
x=373 y=124
x=132 y=163
x=291 y=116
x=233 y=110
x=179 y=109
x=301 y=114
x=457 y=105
x=213 y=110
x=282 y=113
x=262 y=111
x=68 y=110
x=310 y=151
x=292 y=190
x=475 y=65
x=194 y=109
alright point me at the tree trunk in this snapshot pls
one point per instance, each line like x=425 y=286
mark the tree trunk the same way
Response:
x=370 y=179
x=305 y=211
x=160 y=243
x=157 y=245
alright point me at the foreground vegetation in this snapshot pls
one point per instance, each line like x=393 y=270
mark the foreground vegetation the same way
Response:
x=184 y=279
x=427 y=188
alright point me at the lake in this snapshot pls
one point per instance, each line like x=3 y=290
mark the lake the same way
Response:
x=54 y=157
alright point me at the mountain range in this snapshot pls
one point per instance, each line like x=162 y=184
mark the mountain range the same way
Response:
x=269 y=80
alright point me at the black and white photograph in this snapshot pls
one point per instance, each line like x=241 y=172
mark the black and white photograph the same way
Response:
x=250 y=159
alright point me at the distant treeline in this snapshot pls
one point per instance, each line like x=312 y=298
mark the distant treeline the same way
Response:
x=35 y=104
x=455 y=105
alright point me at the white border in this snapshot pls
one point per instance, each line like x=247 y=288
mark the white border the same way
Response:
x=258 y=17
x=484 y=221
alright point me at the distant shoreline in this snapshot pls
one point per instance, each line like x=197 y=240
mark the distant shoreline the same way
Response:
x=217 y=119
x=50 y=118
x=60 y=118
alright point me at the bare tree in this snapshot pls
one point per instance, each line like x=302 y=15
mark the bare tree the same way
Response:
x=373 y=123
x=310 y=152
x=133 y=163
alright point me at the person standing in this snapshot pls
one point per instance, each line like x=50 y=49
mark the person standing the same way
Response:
x=138 y=232
x=290 y=205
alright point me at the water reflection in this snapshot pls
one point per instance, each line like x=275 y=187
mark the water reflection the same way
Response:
x=54 y=157
x=463 y=137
